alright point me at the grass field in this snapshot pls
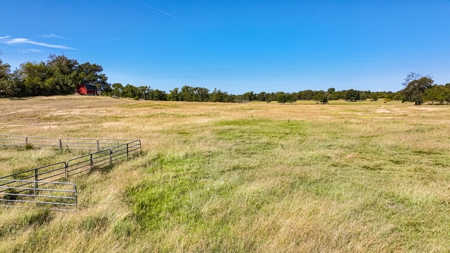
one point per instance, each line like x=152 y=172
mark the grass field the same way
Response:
x=255 y=177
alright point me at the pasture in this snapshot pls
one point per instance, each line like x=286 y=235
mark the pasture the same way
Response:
x=255 y=177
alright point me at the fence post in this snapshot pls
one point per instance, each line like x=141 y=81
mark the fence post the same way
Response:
x=75 y=193
x=127 y=150
x=60 y=144
x=26 y=140
x=36 y=179
x=98 y=145
x=110 y=156
x=91 y=161
x=66 y=170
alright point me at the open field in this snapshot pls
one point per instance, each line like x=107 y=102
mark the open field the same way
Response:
x=256 y=177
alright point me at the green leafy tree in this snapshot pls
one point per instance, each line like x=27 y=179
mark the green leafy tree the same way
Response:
x=261 y=96
x=249 y=96
x=447 y=93
x=130 y=91
x=157 y=95
x=186 y=93
x=174 y=95
x=321 y=97
x=352 y=95
x=437 y=93
x=329 y=97
x=117 y=89
x=5 y=70
x=415 y=87
x=318 y=97
x=397 y=97
x=281 y=97
x=36 y=79
x=63 y=76
x=92 y=73
x=144 y=92
x=7 y=87
x=201 y=94
x=373 y=96
x=363 y=96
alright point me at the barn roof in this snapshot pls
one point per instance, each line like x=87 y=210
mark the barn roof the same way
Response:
x=90 y=86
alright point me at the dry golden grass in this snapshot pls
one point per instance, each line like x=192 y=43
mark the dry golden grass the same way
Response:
x=255 y=177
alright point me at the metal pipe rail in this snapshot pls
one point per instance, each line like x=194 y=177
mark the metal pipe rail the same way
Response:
x=60 y=143
x=85 y=163
x=51 y=174
x=56 y=194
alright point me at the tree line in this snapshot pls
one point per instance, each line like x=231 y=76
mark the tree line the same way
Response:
x=56 y=76
x=60 y=75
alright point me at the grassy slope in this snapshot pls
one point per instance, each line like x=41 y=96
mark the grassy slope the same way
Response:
x=344 y=177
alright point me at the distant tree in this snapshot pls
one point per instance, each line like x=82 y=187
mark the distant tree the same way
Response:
x=306 y=95
x=173 y=95
x=35 y=78
x=186 y=93
x=249 y=96
x=92 y=73
x=397 y=97
x=130 y=91
x=218 y=96
x=63 y=76
x=261 y=96
x=437 y=93
x=447 y=93
x=144 y=92
x=290 y=98
x=363 y=96
x=5 y=70
x=336 y=96
x=117 y=89
x=318 y=97
x=157 y=95
x=352 y=95
x=374 y=96
x=416 y=85
x=7 y=87
x=330 y=97
x=388 y=97
x=281 y=97
x=201 y=94
x=230 y=98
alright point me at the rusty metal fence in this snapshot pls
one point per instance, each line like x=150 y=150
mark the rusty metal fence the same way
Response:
x=26 y=186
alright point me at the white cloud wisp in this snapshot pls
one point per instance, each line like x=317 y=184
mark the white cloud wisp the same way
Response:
x=54 y=36
x=15 y=41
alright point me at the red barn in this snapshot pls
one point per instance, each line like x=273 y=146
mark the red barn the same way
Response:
x=87 y=89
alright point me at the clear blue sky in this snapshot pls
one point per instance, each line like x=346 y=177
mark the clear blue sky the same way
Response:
x=237 y=46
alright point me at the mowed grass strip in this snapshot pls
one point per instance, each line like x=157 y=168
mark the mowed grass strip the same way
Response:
x=257 y=177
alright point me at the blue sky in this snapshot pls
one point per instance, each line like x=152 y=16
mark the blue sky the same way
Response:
x=236 y=46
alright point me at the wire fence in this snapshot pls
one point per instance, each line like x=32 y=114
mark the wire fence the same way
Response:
x=26 y=186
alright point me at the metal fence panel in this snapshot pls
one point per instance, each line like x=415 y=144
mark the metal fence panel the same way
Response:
x=55 y=193
x=87 y=144
x=34 y=184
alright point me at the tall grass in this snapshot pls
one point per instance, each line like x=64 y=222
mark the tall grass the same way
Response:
x=256 y=177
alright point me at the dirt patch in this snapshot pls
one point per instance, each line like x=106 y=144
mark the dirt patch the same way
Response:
x=383 y=111
x=425 y=108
